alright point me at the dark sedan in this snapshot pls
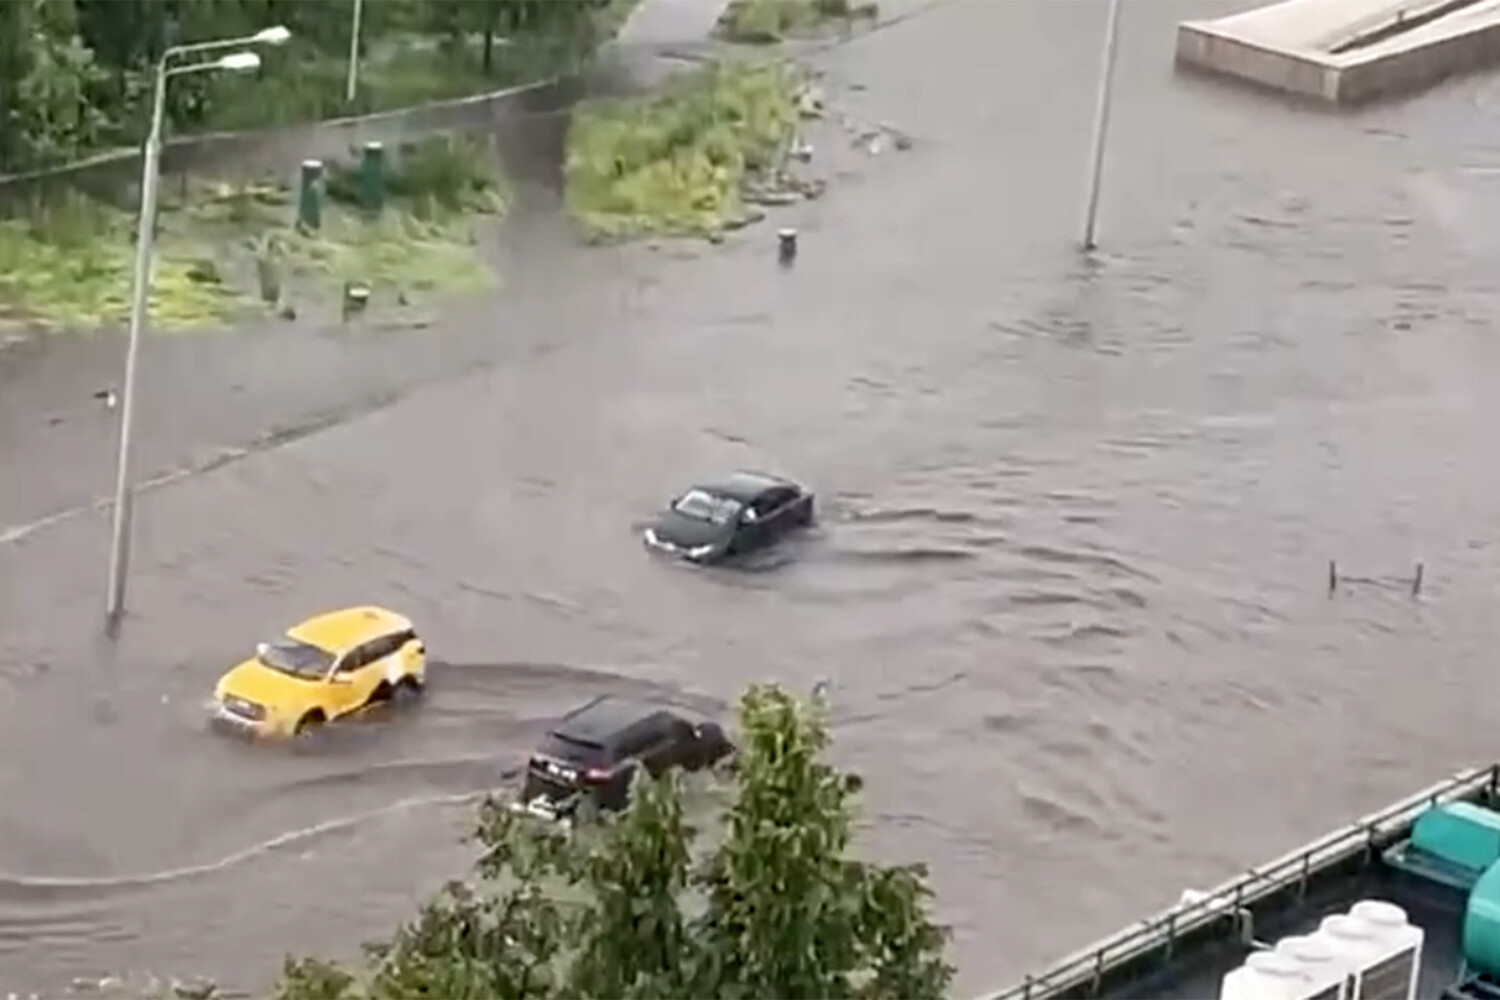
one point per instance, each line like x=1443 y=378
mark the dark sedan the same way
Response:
x=744 y=512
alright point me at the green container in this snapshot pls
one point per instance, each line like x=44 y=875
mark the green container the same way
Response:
x=372 y=178
x=1481 y=929
x=1461 y=835
x=310 y=195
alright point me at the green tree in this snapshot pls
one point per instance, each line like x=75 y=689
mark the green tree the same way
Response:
x=45 y=74
x=770 y=903
x=76 y=75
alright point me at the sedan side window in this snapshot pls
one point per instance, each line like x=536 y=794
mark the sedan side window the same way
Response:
x=683 y=733
x=381 y=648
x=682 y=744
x=661 y=752
x=646 y=740
x=773 y=500
x=353 y=660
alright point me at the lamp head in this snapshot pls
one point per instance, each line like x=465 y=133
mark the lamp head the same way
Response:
x=240 y=62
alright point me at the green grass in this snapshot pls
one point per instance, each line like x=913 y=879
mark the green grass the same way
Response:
x=402 y=252
x=766 y=22
x=673 y=164
x=68 y=263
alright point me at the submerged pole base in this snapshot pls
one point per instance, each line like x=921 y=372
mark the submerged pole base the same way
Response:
x=786 y=246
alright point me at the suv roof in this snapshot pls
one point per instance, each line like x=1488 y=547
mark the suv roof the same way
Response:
x=605 y=719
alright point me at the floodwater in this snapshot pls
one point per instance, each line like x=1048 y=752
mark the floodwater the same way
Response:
x=1069 y=587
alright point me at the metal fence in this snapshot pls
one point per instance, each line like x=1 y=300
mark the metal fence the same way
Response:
x=246 y=154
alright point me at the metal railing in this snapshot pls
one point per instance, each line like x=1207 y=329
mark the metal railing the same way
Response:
x=1233 y=896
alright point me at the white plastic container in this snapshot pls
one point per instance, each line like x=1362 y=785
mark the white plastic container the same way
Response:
x=1355 y=943
x=1265 y=975
x=1396 y=958
x=1324 y=972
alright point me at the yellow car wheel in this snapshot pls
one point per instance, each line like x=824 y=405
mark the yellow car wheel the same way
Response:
x=408 y=689
x=309 y=722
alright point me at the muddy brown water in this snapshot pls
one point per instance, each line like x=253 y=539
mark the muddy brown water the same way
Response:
x=1069 y=585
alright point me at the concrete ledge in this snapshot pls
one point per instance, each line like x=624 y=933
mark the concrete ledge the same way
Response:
x=1345 y=52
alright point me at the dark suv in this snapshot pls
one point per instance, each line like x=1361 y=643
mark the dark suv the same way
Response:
x=593 y=751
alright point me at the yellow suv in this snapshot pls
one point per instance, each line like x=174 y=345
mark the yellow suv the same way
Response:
x=327 y=667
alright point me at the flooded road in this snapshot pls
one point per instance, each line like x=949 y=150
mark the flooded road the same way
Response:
x=1069 y=585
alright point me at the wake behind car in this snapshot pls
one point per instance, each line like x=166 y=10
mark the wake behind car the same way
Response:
x=329 y=666
x=592 y=753
x=743 y=512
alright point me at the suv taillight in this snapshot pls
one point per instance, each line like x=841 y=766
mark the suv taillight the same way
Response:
x=596 y=774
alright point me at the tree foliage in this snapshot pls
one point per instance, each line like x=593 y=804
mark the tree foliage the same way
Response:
x=75 y=75
x=768 y=902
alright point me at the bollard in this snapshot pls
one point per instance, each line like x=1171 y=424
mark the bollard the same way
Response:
x=310 y=195
x=268 y=274
x=786 y=246
x=372 y=178
x=356 y=297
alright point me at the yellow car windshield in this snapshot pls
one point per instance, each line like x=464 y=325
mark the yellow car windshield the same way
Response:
x=296 y=658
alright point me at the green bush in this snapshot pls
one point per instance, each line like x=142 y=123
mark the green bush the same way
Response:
x=673 y=164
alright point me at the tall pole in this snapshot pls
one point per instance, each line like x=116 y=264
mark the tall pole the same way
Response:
x=119 y=551
x=1101 y=123
x=353 y=84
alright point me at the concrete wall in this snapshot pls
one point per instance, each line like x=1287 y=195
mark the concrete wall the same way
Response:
x=1227 y=47
x=249 y=154
x=1304 y=73
x=1408 y=70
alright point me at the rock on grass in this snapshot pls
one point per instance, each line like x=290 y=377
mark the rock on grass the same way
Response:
x=675 y=163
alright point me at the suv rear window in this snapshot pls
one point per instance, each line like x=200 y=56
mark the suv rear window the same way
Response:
x=573 y=750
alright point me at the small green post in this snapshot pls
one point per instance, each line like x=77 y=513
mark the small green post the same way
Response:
x=310 y=196
x=372 y=178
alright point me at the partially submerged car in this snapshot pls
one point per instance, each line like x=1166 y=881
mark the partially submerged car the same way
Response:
x=590 y=755
x=743 y=512
x=329 y=666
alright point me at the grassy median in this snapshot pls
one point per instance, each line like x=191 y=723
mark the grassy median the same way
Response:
x=227 y=249
x=676 y=163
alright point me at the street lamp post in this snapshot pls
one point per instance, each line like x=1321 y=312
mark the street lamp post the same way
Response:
x=353 y=82
x=241 y=61
x=1101 y=122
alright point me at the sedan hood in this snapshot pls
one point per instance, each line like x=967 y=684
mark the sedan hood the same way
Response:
x=256 y=682
x=688 y=532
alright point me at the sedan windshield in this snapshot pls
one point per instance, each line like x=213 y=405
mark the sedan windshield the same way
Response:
x=295 y=658
x=702 y=505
